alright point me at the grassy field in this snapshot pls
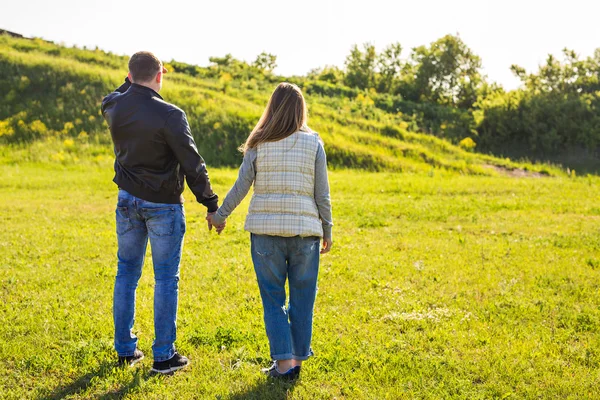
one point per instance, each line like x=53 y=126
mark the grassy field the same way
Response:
x=439 y=285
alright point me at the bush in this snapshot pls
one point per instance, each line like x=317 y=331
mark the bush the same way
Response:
x=467 y=144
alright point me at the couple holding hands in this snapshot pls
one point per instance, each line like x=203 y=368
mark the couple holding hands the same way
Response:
x=289 y=214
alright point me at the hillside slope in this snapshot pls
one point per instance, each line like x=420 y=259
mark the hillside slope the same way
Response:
x=51 y=94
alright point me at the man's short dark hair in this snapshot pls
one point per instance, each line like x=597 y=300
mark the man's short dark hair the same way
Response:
x=144 y=66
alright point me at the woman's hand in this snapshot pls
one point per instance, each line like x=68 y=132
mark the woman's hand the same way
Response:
x=218 y=228
x=327 y=243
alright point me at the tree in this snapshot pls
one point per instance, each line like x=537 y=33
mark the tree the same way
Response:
x=390 y=65
x=265 y=62
x=360 y=67
x=228 y=65
x=447 y=72
x=328 y=73
x=572 y=76
x=225 y=61
x=555 y=115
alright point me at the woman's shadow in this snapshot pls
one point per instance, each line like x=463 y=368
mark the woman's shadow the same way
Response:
x=269 y=389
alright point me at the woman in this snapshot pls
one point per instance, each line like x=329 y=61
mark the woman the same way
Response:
x=289 y=213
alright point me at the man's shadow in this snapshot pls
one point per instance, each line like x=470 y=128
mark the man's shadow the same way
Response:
x=272 y=389
x=106 y=368
x=269 y=388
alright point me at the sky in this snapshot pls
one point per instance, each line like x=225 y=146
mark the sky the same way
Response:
x=312 y=33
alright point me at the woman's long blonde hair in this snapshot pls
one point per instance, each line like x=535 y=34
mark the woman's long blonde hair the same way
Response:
x=285 y=114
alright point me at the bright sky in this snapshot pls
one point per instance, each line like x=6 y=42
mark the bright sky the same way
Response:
x=311 y=33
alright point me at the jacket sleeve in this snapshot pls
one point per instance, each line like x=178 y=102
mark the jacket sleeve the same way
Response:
x=121 y=89
x=179 y=138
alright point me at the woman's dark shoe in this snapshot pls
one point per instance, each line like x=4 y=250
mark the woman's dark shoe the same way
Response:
x=130 y=361
x=272 y=372
x=296 y=371
x=171 y=365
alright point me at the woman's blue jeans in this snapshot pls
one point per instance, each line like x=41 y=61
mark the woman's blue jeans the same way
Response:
x=164 y=224
x=296 y=259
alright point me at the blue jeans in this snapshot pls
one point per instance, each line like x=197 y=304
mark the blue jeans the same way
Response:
x=276 y=258
x=164 y=224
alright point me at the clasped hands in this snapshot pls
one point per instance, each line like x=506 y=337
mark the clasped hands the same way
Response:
x=218 y=228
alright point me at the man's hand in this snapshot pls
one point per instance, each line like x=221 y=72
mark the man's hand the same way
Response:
x=218 y=228
x=209 y=219
x=327 y=243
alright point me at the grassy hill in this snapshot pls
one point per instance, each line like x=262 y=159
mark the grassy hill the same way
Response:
x=50 y=113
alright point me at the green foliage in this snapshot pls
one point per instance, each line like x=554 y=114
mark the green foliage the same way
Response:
x=439 y=90
x=360 y=67
x=572 y=76
x=443 y=121
x=555 y=116
x=390 y=66
x=184 y=68
x=447 y=72
x=325 y=88
x=260 y=71
x=329 y=74
x=265 y=62
x=433 y=91
x=49 y=99
x=467 y=144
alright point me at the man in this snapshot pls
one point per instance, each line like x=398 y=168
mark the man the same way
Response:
x=154 y=151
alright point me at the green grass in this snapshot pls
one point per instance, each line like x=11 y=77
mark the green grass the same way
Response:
x=439 y=285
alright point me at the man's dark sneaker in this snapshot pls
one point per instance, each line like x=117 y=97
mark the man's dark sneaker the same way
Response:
x=171 y=365
x=291 y=374
x=131 y=360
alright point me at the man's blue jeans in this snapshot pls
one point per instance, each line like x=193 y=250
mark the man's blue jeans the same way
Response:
x=276 y=258
x=164 y=224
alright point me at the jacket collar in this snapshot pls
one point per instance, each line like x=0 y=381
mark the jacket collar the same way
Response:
x=144 y=90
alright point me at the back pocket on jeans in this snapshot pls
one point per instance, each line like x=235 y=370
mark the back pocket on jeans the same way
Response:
x=124 y=224
x=309 y=245
x=262 y=245
x=160 y=221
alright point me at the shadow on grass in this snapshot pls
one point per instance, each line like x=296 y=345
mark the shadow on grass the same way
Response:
x=269 y=389
x=85 y=381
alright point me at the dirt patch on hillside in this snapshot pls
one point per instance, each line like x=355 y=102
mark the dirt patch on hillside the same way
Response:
x=515 y=172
